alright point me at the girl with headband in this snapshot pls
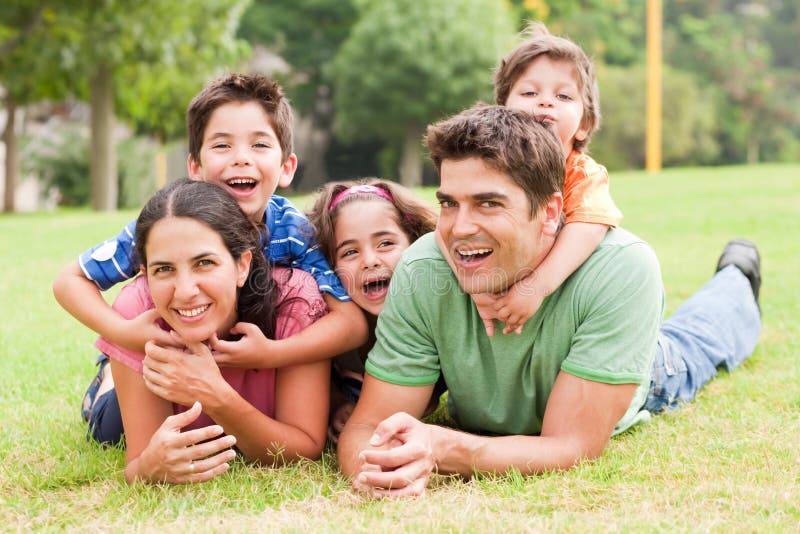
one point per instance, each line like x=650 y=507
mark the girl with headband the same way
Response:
x=363 y=228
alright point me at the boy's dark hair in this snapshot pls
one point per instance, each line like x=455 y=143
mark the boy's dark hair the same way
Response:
x=413 y=217
x=509 y=141
x=240 y=88
x=211 y=205
x=540 y=42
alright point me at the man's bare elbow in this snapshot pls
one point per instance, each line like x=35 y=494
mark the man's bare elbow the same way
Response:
x=578 y=451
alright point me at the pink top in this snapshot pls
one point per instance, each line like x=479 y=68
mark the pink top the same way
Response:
x=303 y=305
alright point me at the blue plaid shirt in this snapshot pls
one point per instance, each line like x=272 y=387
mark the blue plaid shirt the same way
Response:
x=289 y=240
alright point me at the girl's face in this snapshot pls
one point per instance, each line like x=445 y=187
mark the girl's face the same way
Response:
x=193 y=278
x=369 y=243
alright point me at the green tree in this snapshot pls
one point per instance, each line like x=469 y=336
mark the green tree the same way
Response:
x=730 y=44
x=689 y=119
x=309 y=48
x=159 y=38
x=141 y=60
x=408 y=62
x=30 y=48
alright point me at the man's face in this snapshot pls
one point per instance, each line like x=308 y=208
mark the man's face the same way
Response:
x=241 y=153
x=486 y=229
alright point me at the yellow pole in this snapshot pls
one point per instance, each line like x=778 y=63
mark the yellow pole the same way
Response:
x=161 y=167
x=653 y=128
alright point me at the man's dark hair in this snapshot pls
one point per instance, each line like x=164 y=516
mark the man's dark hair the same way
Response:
x=507 y=140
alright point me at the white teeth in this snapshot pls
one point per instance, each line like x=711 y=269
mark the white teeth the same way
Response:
x=193 y=312
x=474 y=252
x=236 y=181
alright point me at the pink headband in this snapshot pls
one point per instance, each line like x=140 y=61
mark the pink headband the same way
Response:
x=360 y=190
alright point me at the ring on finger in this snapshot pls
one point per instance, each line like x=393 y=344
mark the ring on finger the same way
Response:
x=191 y=467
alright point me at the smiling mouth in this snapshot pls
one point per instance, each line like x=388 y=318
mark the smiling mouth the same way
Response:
x=193 y=312
x=469 y=256
x=241 y=184
x=375 y=287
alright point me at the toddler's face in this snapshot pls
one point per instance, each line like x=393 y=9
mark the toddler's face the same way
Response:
x=549 y=90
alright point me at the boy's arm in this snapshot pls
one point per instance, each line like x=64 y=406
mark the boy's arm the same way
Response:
x=575 y=243
x=82 y=299
x=344 y=328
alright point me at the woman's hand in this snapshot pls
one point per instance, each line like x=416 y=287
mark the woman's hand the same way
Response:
x=183 y=376
x=185 y=457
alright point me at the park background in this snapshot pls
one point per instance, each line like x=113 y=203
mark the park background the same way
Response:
x=362 y=74
x=95 y=91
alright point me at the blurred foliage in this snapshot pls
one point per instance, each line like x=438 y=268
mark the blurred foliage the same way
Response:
x=305 y=33
x=149 y=57
x=61 y=160
x=160 y=53
x=379 y=71
x=688 y=122
x=32 y=50
x=409 y=62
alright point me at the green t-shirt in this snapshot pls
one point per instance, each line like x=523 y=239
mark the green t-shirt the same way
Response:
x=601 y=325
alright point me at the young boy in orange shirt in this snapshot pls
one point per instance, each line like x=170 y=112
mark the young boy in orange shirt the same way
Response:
x=551 y=78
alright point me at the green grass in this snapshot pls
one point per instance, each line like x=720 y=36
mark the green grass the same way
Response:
x=727 y=462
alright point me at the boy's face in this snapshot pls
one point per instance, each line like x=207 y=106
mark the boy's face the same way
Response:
x=548 y=89
x=241 y=153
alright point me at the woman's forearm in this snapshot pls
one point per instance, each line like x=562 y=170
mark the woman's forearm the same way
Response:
x=262 y=438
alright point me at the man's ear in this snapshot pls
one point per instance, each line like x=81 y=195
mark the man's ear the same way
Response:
x=243 y=267
x=288 y=169
x=551 y=214
x=194 y=169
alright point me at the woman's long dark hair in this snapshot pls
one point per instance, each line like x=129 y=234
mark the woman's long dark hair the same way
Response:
x=214 y=207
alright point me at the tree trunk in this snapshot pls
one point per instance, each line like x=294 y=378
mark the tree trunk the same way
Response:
x=103 y=157
x=12 y=155
x=753 y=152
x=315 y=174
x=410 y=162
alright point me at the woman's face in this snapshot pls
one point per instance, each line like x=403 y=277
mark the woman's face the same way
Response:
x=369 y=243
x=193 y=278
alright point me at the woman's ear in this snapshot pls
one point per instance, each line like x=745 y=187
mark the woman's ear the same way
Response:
x=243 y=266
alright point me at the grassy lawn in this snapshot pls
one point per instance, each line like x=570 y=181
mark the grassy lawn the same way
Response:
x=729 y=461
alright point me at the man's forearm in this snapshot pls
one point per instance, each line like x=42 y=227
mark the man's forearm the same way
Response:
x=461 y=453
x=354 y=438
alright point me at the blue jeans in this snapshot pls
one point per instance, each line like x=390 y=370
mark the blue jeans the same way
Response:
x=717 y=327
x=105 y=419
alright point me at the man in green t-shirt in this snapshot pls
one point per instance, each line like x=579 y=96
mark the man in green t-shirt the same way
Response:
x=579 y=371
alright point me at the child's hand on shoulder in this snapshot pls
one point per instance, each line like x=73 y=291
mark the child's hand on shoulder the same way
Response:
x=250 y=351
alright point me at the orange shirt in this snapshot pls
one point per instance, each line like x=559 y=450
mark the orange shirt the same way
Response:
x=586 y=194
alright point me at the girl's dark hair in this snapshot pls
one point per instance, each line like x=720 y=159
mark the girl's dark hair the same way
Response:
x=413 y=216
x=214 y=207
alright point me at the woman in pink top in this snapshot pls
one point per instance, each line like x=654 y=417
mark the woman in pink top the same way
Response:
x=203 y=273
